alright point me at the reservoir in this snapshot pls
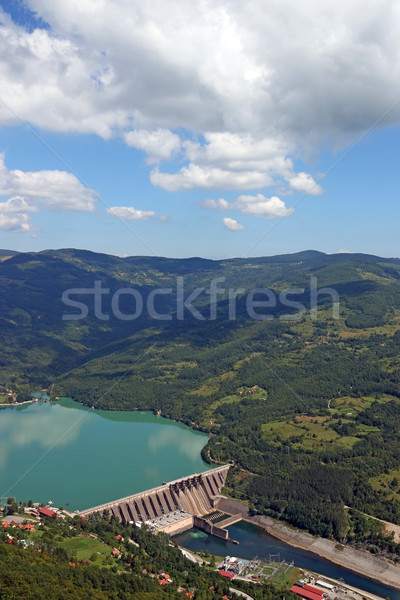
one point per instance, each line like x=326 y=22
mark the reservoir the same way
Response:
x=255 y=541
x=78 y=457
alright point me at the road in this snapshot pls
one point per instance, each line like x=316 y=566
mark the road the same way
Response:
x=190 y=556
x=239 y=593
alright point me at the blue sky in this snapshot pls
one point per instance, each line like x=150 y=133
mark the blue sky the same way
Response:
x=181 y=130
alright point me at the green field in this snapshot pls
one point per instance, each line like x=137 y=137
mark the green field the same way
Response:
x=316 y=433
x=387 y=482
x=84 y=547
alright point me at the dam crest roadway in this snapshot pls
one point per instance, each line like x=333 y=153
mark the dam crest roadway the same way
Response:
x=173 y=507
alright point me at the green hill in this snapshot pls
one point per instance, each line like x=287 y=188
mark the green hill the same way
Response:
x=307 y=408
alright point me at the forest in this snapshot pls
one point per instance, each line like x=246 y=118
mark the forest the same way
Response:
x=306 y=410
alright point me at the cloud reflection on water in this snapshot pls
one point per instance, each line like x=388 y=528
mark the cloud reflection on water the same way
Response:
x=41 y=425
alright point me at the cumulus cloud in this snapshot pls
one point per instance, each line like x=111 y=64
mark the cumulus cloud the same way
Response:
x=255 y=206
x=16 y=222
x=30 y=191
x=53 y=190
x=160 y=144
x=220 y=204
x=129 y=213
x=235 y=162
x=267 y=81
x=303 y=182
x=208 y=177
x=232 y=224
x=256 y=66
x=260 y=206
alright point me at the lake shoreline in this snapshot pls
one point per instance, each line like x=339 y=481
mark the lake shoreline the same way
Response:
x=19 y=403
x=357 y=561
x=78 y=446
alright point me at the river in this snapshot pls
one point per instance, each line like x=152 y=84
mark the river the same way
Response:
x=78 y=457
x=255 y=541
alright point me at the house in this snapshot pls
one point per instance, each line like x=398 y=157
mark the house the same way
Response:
x=227 y=574
x=307 y=594
x=45 y=512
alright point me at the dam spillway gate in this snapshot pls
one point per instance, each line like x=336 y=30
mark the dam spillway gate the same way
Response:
x=174 y=506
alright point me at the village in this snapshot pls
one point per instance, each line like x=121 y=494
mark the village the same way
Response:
x=27 y=524
x=10 y=396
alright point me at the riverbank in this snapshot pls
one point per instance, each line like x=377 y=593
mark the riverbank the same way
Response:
x=358 y=561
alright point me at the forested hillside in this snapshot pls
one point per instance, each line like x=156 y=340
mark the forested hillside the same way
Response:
x=307 y=409
x=61 y=558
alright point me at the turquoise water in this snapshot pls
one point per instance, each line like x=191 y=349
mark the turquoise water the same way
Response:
x=72 y=455
x=255 y=541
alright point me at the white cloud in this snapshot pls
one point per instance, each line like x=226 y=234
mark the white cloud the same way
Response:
x=31 y=191
x=208 y=177
x=237 y=162
x=232 y=224
x=14 y=215
x=255 y=206
x=160 y=144
x=258 y=83
x=129 y=213
x=260 y=206
x=52 y=190
x=17 y=205
x=16 y=222
x=220 y=204
x=302 y=182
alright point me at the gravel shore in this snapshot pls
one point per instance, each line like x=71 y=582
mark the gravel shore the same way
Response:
x=358 y=561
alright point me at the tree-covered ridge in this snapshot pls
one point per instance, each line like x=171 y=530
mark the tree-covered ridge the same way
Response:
x=307 y=410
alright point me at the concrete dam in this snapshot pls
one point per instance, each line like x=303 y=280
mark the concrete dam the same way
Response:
x=172 y=507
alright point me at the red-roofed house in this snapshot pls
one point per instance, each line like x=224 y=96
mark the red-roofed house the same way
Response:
x=226 y=574
x=45 y=512
x=313 y=589
x=300 y=591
